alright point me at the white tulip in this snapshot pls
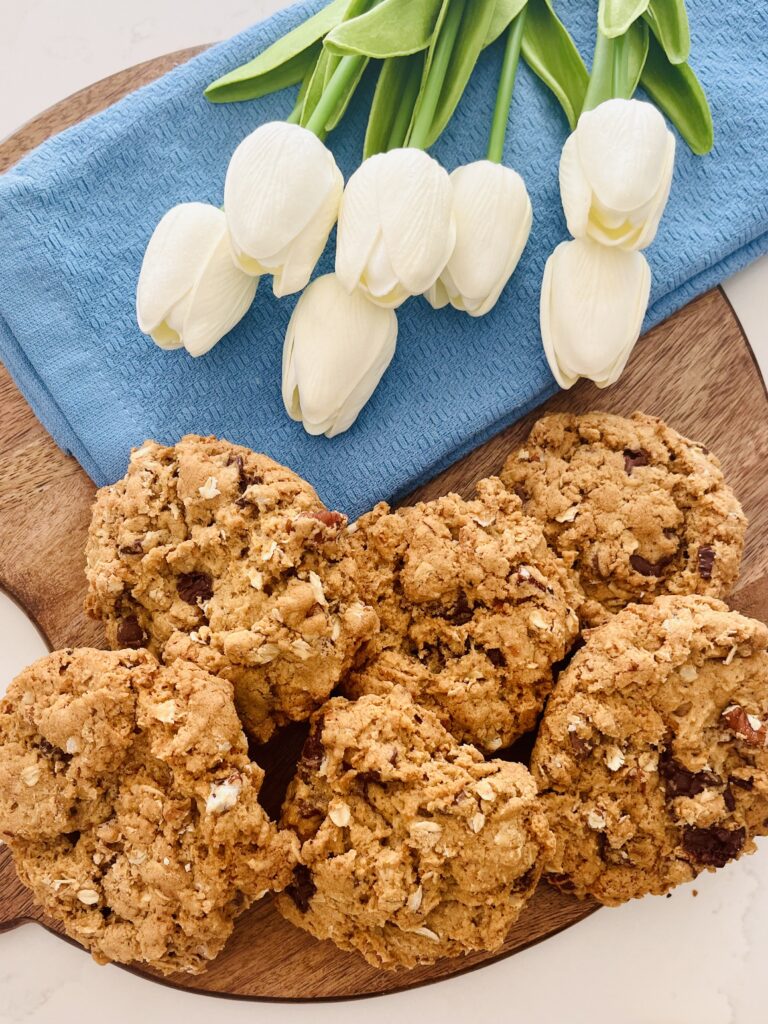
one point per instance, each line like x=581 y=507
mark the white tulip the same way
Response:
x=616 y=172
x=337 y=348
x=593 y=300
x=190 y=293
x=281 y=197
x=396 y=227
x=493 y=221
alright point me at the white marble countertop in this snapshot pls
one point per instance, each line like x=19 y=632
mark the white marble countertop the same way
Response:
x=690 y=958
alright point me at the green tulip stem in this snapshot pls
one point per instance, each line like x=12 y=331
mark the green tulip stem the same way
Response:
x=295 y=115
x=402 y=121
x=436 y=75
x=506 y=88
x=347 y=70
x=601 y=78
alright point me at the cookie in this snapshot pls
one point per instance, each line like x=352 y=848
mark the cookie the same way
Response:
x=634 y=508
x=474 y=612
x=211 y=553
x=412 y=846
x=129 y=804
x=652 y=755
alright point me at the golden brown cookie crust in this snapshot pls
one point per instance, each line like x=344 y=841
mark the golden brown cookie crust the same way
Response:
x=211 y=553
x=635 y=508
x=474 y=611
x=129 y=803
x=652 y=756
x=413 y=847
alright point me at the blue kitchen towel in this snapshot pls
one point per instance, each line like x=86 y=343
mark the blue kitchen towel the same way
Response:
x=76 y=214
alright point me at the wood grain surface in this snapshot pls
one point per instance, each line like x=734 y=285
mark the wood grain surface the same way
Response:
x=695 y=370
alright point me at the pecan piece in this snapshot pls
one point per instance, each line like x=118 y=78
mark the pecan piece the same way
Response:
x=745 y=726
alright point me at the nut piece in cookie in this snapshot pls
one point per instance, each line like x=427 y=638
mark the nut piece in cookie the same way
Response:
x=635 y=509
x=474 y=611
x=211 y=553
x=130 y=807
x=412 y=846
x=651 y=757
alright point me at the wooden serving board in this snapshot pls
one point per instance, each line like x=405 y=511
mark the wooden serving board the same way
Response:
x=696 y=370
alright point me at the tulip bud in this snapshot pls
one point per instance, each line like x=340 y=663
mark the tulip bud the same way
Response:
x=493 y=220
x=616 y=172
x=190 y=293
x=281 y=196
x=396 y=227
x=593 y=300
x=336 y=350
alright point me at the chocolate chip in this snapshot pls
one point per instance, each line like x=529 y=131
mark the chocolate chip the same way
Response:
x=494 y=655
x=245 y=480
x=130 y=634
x=302 y=889
x=741 y=783
x=706 y=562
x=633 y=459
x=193 y=587
x=314 y=751
x=714 y=846
x=646 y=568
x=132 y=549
x=679 y=781
x=729 y=799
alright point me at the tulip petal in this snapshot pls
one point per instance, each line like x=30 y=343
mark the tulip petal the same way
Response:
x=659 y=201
x=337 y=347
x=575 y=191
x=358 y=228
x=277 y=181
x=593 y=301
x=180 y=244
x=220 y=299
x=416 y=216
x=439 y=295
x=295 y=265
x=623 y=151
x=493 y=221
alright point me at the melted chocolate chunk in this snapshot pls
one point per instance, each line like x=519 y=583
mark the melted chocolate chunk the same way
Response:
x=302 y=889
x=193 y=587
x=646 y=568
x=132 y=549
x=740 y=783
x=714 y=846
x=633 y=459
x=130 y=634
x=314 y=751
x=679 y=781
x=706 y=562
x=729 y=799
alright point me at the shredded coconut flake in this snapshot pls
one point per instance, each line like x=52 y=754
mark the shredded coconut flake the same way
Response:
x=224 y=796
x=209 y=489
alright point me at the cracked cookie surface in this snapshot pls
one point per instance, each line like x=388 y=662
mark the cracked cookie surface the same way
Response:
x=209 y=552
x=412 y=846
x=474 y=611
x=651 y=757
x=635 y=508
x=129 y=804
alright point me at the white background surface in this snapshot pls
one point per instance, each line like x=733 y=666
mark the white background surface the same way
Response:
x=682 y=960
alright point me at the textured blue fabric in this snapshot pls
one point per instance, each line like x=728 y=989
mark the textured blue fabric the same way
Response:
x=75 y=217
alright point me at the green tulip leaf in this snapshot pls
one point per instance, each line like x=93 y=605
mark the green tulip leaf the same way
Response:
x=393 y=103
x=473 y=31
x=552 y=55
x=393 y=28
x=615 y=16
x=635 y=54
x=669 y=22
x=676 y=89
x=284 y=63
x=317 y=85
x=506 y=11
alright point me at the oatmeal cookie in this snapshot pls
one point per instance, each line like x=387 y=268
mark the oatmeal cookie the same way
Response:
x=412 y=846
x=652 y=756
x=129 y=803
x=635 y=509
x=474 y=611
x=211 y=553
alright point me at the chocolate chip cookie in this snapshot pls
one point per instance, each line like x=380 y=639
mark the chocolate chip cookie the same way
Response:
x=652 y=755
x=474 y=611
x=634 y=508
x=412 y=846
x=129 y=803
x=209 y=552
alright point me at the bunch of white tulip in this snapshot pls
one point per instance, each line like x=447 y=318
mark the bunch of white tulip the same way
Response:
x=615 y=176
